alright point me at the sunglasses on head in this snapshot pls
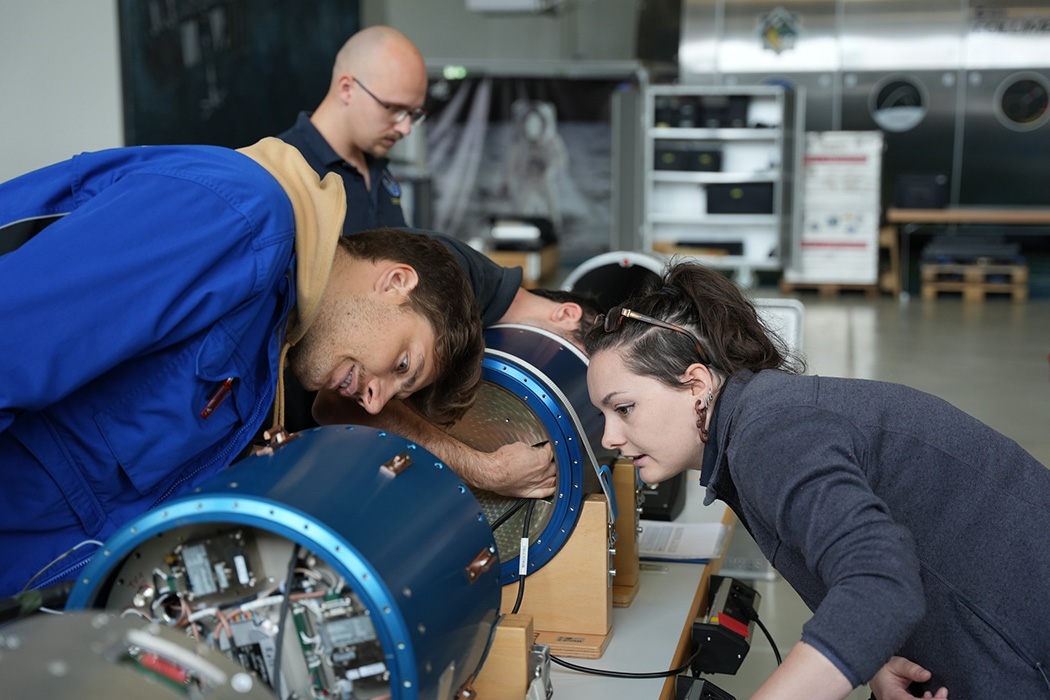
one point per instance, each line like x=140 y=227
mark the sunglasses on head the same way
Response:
x=612 y=321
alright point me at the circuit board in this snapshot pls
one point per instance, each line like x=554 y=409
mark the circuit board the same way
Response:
x=226 y=586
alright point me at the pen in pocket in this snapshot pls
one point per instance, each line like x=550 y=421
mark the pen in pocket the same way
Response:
x=220 y=393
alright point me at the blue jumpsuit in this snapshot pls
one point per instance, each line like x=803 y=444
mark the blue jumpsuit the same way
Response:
x=168 y=273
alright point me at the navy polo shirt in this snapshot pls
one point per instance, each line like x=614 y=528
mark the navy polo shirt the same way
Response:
x=365 y=209
x=494 y=285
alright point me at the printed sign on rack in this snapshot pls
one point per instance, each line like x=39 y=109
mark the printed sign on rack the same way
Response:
x=839 y=237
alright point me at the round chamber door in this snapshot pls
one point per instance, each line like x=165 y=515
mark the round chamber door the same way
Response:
x=1022 y=101
x=533 y=391
x=899 y=103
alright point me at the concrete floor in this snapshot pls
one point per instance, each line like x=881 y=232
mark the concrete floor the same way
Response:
x=988 y=359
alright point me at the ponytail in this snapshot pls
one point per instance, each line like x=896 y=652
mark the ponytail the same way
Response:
x=704 y=301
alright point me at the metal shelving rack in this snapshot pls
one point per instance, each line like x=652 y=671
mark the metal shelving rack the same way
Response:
x=759 y=143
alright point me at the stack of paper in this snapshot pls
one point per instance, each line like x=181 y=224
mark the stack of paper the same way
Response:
x=682 y=542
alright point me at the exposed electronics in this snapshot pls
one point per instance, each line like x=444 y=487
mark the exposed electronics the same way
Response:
x=99 y=656
x=348 y=564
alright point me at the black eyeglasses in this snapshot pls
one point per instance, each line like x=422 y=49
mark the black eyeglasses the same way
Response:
x=612 y=321
x=398 y=113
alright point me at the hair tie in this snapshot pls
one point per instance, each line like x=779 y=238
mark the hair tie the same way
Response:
x=670 y=291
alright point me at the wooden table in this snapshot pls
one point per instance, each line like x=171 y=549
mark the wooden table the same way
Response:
x=908 y=220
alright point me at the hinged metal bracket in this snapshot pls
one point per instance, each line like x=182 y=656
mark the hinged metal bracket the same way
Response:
x=397 y=464
x=481 y=563
x=540 y=687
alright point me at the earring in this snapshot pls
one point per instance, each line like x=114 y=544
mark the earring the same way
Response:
x=701 y=417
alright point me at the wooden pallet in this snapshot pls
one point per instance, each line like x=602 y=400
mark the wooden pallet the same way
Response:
x=975 y=280
x=829 y=290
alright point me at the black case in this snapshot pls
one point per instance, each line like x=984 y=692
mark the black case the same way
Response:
x=736 y=114
x=688 y=156
x=665 y=500
x=665 y=111
x=740 y=198
x=723 y=111
x=688 y=113
x=687 y=688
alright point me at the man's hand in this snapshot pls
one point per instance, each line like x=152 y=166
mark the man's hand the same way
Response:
x=518 y=470
x=893 y=679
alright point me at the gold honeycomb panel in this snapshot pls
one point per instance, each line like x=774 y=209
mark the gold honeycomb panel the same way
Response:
x=497 y=418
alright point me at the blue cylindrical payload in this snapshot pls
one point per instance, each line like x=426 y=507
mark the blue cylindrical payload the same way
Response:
x=534 y=390
x=395 y=583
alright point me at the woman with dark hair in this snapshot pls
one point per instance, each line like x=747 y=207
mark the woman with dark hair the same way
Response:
x=897 y=517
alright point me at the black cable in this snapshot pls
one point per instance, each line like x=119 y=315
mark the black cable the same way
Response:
x=623 y=674
x=524 y=536
x=285 y=604
x=507 y=515
x=57 y=559
x=521 y=594
x=776 y=652
x=28 y=602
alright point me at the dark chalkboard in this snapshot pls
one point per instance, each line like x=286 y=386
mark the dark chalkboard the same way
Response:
x=226 y=72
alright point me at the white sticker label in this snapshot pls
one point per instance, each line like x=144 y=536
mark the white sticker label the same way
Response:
x=365 y=671
x=523 y=557
x=242 y=569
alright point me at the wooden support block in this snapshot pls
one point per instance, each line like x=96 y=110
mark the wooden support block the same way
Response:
x=506 y=671
x=625 y=561
x=570 y=597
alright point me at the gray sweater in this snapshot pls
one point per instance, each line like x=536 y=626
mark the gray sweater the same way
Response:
x=906 y=525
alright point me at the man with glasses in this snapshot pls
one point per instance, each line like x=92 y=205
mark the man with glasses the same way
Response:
x=376 y=95
x=378 y=87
